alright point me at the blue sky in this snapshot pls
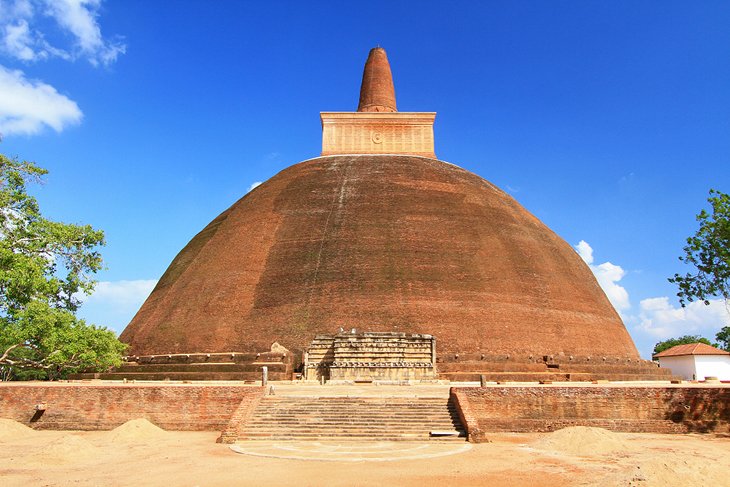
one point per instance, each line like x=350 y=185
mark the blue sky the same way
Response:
x=610 y=121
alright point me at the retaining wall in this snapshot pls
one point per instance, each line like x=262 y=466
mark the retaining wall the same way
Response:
x=680 y=409
x=85 y=406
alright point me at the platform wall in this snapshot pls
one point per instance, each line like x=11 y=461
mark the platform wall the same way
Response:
x=630 y=409
x=84 y=406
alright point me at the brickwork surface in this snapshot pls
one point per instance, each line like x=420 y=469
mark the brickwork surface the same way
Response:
x=82 y=406
x=377 y=93
x=627 y=409
x=379 y=243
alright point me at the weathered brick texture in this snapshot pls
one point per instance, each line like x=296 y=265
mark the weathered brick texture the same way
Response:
x=630 y=409
x=83 y=406
x=381 y=243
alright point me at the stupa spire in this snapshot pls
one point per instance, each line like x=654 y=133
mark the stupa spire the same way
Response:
x=377 y=93
x=377 y=127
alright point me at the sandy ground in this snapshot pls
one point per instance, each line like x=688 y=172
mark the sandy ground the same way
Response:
x=140 y=454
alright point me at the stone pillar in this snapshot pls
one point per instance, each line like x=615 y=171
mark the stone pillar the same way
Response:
x=433 y=351
x=305 y=368
x=264 y=376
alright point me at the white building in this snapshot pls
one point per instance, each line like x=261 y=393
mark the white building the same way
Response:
x=695 y=361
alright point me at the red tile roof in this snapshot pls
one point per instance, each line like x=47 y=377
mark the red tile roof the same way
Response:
x=691 y=349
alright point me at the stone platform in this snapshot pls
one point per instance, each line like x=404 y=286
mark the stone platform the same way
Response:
x=640 y=407
x=473 y=367
x=227 y=366
x=290 y=409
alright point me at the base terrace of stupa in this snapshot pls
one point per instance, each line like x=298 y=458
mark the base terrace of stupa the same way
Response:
x=376 y=292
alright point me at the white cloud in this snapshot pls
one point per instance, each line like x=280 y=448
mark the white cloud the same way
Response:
x=122 y=293
x=17 y=40
x=255 y=184
x=660 y=319
x=114 y=303
x=27 y=106
x=608 y=275
x=585 y=251
x=13 y=9
x=79 y=18
x=657 y=318
x=75 y=19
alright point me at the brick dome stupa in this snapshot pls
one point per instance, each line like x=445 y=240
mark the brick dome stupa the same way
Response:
x=378 y=235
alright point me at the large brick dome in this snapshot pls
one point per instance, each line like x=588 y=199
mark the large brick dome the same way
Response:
x=379 y=243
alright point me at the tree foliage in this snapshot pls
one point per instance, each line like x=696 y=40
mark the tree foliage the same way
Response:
x=723 y=337
x=683 y=340
x=44 y=268
x=709 y=252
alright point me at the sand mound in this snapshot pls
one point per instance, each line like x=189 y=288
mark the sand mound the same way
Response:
x=12 y=430
x=136 y=429
x=583 y=440
x=675 y=470
x=68 y=448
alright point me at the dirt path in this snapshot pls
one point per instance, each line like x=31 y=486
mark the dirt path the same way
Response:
x=143 y=456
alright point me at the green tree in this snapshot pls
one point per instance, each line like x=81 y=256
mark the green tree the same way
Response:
x=683 y=340
x=709 y=252
x=723 y=337
x=44 y=268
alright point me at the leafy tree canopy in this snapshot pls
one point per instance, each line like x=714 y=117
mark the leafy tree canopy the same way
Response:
x=723 y=337
x=683 y=340
x=709 y=252
x=44 y=266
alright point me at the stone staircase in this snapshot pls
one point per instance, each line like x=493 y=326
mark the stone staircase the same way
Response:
x=352 y=419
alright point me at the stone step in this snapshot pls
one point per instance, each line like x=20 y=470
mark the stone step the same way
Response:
x=157 y=376
x=349 y=414
x=614 y=369
x=350 y=417
x=278 y=416
x=330 y=414
x=327 y=429
x=486 y=367
x=560 y=376
x=510 y=376
x=333 y=401
x=207 y=367
x=344 y=433
x=335 y=422
x=232 y=357
x=459 y=437
x=345 y=408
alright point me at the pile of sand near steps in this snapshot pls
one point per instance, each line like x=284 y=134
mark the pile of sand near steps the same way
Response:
x=136 y=429
x=671 y=470
x=584 y=441
x=12 y=430
x=67 y=449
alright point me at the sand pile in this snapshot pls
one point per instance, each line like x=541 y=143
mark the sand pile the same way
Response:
x=12 y=430
x=583 y=440
x=68 y=448
x=674 y=470
x=136 y=429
